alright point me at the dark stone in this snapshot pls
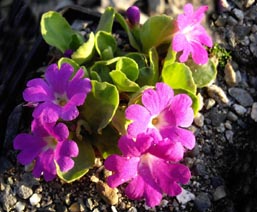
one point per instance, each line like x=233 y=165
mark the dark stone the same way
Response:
x=202 y=202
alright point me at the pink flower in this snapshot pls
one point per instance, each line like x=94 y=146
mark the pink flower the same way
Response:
x=149 y=169
x=162 y=115
x=48 y=144
x=59 y=94
x=191 y=36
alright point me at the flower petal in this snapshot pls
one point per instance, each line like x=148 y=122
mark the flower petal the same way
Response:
x=48 y=112
x=199 y=53
x=37 y=91
x=124 y=169
x=65 y=163
x=182 y=111
x=140 y=117
x=157 y=100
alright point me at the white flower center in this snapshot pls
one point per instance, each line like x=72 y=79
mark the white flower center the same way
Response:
x=61 y=99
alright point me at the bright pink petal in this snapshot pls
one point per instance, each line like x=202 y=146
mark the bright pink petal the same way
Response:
x=79 y=86
x=59 y=131
x=186 y=137
x=168 y=150
x=140 y=117
x=157 y=100
x=66 y=148
x=128 y=147
x=135 y=189
x=37 y=91
x=199 y=14
x=199 y=53
x=30 y=147
x=65 y=163
x=124 y=169
x=181 y=108
x=48 y=112
x=179 y=42
x=69 y=112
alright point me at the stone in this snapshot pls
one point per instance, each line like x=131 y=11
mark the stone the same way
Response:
x=75 y=207
x=202 y=202
x=219 y=193
x=254 y=111
x=232 y=116
x=8 y=201
x=108 y=194
x=156 y=7
x=185 y=196
x=132 y=209
x=229 y=135
x=230 y=74
x=20 y=206
x=35 y=199
x=217 y=93
x=238 y=13
x=24 y=192
x=199 y=120
x=239 y=109
x=241 y=96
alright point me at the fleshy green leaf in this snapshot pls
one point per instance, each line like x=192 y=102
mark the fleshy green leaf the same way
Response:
x=86 y=51
x=179 y=76
x=105 y=45
x=100 y=105
x=106 y=142
x=56 y=31
x=83 y=162
x=102 y=71
x=203 y=75
x=156 y=30
x=154 y=64
x=170 y=58
x=129 y=67
x=134 y=42
x=106 y=21
x=122 y=82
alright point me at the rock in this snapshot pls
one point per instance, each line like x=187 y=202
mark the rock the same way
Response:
x=209 y=103
x=249 y=3
x=232 y=116
x=217 y=93
x=229 y=135
x=217 y=117
x=240 y=110
x=238 y=13
x=24 y=192
x=35 y=199
x=199 y=120
x=108 y=194
x=75 y=207
x=156 y=7
x=254 y=111
x=241 y=96
x=219 y=193
x=185 y=196
x=20 y=206
x=202 y=202
x=132 y=209
x=230 y=74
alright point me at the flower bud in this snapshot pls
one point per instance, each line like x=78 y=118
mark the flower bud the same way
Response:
x=68 y=53
x=133 y=14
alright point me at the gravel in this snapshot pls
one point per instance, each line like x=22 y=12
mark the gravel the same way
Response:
x=223 y=163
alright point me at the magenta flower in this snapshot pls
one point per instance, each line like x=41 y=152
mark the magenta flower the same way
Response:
x=162 y=115
x=191 y=36
x=48 y=144
x=149 y=169
x=59 y=94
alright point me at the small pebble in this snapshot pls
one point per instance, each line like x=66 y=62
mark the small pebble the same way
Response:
x=20 y=206
x=240 y=110
x=218 y=94
x=35 y=199
x=219 y=193
x=24 y=192
x=132 y=209
x=185 y=196
x=108 y=194
x=254 y=111
x=199 y=120
x=230 y=74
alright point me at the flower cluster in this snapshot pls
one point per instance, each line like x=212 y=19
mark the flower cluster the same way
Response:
x=130 y=106
x=55 y=97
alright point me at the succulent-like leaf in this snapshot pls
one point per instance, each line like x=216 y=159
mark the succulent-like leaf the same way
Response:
x=179 y=76
x=86 y=51
x=56 y=31
x=100 y=105
x=106 y=20
x=155 y=31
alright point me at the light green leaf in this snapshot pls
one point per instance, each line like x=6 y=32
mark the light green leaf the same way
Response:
x=129 y=67
x=154 y=64
x=86 y=51
x=122 y=82
x=155 y=31
x=179 y=76
x=56 y=31
x=105 y=45
x=106 y=21
x=170 y=58
x=100 y=105
x=203 y=75
x=82 y=163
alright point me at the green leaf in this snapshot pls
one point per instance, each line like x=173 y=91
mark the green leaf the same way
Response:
x=82 y=163
x=122 y=82
x=129 y=67
x=73 y=64
x=134 y=42
x=76 y=40
x=196 y=105
x=155 y=31
x=100 y=105
x=56 y=31
x=105 y=45
x=106 y=142
x=139 y=58
x=170 y=58
x=154 y=64
x=179 y=76
x=106 y=21
x=86 y=51
x=203 y=75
